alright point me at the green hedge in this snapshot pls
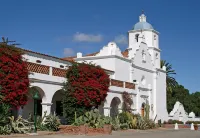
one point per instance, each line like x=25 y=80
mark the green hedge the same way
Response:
x=170 y=121
x=194 y=122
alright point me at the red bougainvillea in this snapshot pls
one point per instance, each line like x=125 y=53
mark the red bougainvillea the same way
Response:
x=14 y=80
x=88 y=84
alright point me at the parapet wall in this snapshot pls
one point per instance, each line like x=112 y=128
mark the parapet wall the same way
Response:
x=179 y=113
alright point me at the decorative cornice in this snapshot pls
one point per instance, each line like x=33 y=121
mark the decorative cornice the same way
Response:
x=154 y=48
x=45 y=81
x=144 y=89
x=144 y=69
x=48 y=104
x=112 y=91
x=106 y=107
x=161 y=70
x=102 y=57
x=144 y=96
x=149 y=30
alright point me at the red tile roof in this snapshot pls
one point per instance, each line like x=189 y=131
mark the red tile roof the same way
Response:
x=29 y=51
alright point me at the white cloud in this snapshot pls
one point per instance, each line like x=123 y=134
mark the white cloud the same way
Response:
x=121 y=39
x=69 y=52
x=81 y=37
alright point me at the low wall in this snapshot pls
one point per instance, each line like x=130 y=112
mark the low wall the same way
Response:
x=173 y=126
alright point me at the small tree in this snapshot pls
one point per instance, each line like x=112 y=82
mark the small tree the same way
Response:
x=86 y=87
x=127 y=102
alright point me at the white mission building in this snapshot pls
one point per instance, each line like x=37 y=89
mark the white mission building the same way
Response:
x=135 y=70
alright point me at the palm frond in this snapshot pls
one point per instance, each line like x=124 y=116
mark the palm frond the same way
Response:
x=170 y=80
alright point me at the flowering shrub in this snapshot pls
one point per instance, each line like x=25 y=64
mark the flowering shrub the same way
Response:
x=86 y=87
x=127 y=101
x=14 y=80
x=89 y=84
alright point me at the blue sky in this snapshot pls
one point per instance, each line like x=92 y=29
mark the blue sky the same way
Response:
x=64 y=27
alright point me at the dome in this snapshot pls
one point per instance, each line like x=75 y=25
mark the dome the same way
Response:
x=142 y=24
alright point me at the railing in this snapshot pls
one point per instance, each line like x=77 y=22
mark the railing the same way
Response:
x=32 y=67
x=122 y=84
x=42 y=69
x=129 y=85
x=58 y=72
x=116 y=83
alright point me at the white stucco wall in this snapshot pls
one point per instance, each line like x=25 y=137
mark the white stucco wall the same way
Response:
x=105 y=62
x=45 y=60
x=160 y=101
x=122 y=70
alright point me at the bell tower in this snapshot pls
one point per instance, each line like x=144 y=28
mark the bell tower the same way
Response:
x=144 y=32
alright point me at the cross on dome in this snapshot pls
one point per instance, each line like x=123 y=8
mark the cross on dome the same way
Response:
x=142 y=24
x=142 y=17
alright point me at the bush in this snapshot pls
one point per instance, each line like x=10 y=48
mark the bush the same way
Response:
x=4 y=114
x=51 y=122
x=48 y=122
x=131 y=121
x=5 y=127
x=170 y=121
x=5 y=130
x=115 y=123
x=150 y=124
x=123 y=118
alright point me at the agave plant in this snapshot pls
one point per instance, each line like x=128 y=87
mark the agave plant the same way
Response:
x=115 y=123
x=52 y=122
x=141 y=123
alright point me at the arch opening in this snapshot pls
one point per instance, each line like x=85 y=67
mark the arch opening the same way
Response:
x=114 y=111
x=57 y=106
x=28 y=109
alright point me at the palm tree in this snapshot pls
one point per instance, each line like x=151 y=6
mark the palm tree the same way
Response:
x=170 y=81
x=7 y=42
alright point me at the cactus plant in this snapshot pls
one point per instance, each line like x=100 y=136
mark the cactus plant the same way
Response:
x=146 y=109
x=19 y=125
x=93 y=119
x=5 y=130
x=134 y=123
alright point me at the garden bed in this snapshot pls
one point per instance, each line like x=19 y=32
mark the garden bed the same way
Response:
x=173 y=126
